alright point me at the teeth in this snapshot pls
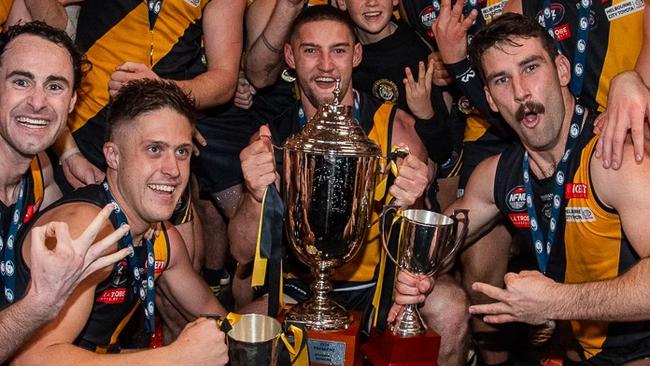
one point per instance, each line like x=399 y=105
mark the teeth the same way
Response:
x=32 y=121
x=372 y=13
x=162 y=188
x=325 y=80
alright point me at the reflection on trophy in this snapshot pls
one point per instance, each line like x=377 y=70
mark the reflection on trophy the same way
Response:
x=428 y=242
x=329 y=180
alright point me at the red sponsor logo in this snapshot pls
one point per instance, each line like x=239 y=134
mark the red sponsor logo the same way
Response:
x=562 y=32
x=31 y=211
x=159 y=267
x=575 y=190
x=112 y=296
x=520 y=220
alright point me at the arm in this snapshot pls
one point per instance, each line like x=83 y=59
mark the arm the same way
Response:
x=258 y=168
x=184 y=284
x=267 y=24
x=51 y=189
x=223 y=32
x=48 y=11
x=78 y=171
x=533 y=298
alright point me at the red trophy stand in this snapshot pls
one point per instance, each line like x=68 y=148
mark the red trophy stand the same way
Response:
x=388 y=349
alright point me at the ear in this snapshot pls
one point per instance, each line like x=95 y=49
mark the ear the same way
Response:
x=73 y=101
x=288 y=56
x=111 y=154
x=563 y=67
x=493 y=105
x=357 y=54
x=395 y=3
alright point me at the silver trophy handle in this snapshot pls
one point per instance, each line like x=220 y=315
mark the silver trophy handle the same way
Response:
x=384 y=239
x=460 y=239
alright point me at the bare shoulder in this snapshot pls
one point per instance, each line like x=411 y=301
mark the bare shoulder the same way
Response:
x=177 y=249
x=513 y=6
x=481 y=182
x=404 y=133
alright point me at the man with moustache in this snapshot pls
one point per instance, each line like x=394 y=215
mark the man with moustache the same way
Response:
x=582 y=225
x=40 y=69
x=147 y=149
x=320 y=59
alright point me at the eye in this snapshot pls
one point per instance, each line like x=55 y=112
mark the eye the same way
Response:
x=154 y=149
x=55 y=87
x=339 y=51
x=531 y=68
x=183 y=152
x=21 y=83
x=501 y=80
x=311 y=50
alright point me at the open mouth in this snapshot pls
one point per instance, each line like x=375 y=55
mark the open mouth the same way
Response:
x=32 y=122
x=372 y=15
x=325 y=82
x=528 y=113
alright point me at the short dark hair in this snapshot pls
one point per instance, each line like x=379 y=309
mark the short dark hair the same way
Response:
x=319 y=13
x=79 y=63
x=504 y=30
x=147 y=95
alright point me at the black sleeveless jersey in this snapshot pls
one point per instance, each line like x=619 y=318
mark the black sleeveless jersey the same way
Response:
x=590 y=245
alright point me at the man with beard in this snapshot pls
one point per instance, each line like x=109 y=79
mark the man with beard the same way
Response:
x=582 y=225
x=148 y=149
x=40 y=69
x=320 y=59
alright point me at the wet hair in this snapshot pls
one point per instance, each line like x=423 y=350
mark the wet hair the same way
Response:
x=146 y=95
x=318 y=13
x=504 y=31
x=79 y=63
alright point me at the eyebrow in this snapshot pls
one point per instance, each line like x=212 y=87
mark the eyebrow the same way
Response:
x=166 y=144
x=309 y=44
x=30 y=76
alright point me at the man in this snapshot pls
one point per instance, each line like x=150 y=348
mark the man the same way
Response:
x=320 y=59
x=148 y=151
x=40 y=69
x=580 y=222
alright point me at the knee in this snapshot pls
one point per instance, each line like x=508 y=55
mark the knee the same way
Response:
x=446 y=309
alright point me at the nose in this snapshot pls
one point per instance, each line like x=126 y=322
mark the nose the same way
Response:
x=325 y=62
x=520 y=89
x=170 y=165
x=37 y=99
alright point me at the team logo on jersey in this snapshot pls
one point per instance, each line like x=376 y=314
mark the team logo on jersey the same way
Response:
x=112 y=296
x=427 y=16
x=385 y=89
x=575 y=190
x=516 y=199
x=579 y=214
x=120 y=276
x=194 y=3
x=557 y=15
x=625 y=8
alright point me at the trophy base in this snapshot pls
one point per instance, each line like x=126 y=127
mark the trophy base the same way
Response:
x=334 y=347
x=388 y=349
x=327 y=316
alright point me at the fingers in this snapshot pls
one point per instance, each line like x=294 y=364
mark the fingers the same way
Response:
x=106 y=243
x=620 y=135
x=198 y=136
x=489 y=290
x=105 y=261
x=394 y=312
x=409 y=76
x=469 y=20
x=499 y=319
x=96 y=224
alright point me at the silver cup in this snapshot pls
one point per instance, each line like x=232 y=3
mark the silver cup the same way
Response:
x=428 y=242
x=328 y=188
x=254 y=340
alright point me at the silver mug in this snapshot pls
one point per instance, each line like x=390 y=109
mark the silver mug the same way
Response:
x=428 y=242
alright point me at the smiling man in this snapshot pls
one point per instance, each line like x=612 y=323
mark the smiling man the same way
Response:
x=583 y=227
x=148 y=149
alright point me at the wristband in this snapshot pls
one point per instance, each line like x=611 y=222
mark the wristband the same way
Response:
x=461 y=70
x=66 y=155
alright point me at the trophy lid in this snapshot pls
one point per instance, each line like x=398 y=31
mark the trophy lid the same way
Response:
x=333 y=130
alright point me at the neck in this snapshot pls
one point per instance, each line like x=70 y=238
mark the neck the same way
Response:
x=310 y=109
x=369 y=38
x=138 y=226
x=13 y=166
x=543 y=163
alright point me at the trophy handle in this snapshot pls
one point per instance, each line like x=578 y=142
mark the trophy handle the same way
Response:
x=384 y=238
x=460 y=239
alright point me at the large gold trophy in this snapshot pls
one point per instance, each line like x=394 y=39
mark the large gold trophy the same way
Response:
x=329 y=181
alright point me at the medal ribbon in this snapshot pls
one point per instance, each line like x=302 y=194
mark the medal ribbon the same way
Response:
x=154 y=7
x=8 y=265
x=144 y=288
x=543 y=252
x=580 y=55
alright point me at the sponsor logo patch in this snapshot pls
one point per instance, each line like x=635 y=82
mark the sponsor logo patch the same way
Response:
x=194 y=3
x=159 y=267
x=112 y=296
x=579 y=214
x=562 y=32
x=492 y=11
x=427 y=16
x=575 y=190
x=519 y=220
x=516 y=199
x=557 y=15
x=622 y=9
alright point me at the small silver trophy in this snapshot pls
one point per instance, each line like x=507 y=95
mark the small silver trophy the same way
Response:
x=427 y=243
